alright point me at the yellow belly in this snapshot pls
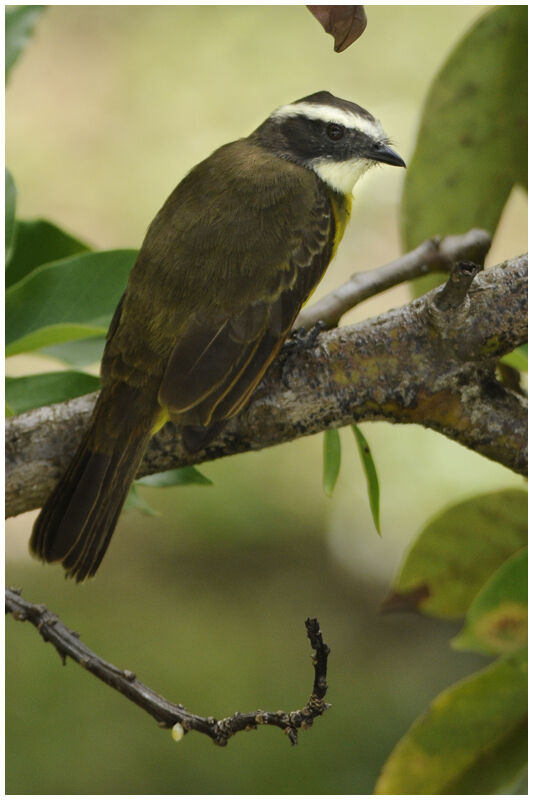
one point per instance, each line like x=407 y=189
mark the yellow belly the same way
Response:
x=162 y=418
x=342 y=207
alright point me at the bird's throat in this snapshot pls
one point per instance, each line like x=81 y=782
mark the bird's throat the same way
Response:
x=341 y=176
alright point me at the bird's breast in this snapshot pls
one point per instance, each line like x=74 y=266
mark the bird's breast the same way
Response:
x=341 y=206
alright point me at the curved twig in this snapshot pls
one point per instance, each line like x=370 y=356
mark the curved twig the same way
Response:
x=167 y=714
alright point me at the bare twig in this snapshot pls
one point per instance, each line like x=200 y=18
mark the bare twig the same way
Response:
x=400 y=367
x=434 y=255
x=167 y=714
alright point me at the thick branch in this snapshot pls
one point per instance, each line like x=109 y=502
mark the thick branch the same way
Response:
x=167 y=714
x=417 y=364
x=433 y=255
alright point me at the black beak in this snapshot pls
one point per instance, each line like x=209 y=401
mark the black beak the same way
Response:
x=384 y=153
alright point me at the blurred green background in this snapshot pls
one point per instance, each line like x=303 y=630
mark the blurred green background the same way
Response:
x=107 y=109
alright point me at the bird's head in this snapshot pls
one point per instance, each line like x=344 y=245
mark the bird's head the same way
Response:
x=337 y=139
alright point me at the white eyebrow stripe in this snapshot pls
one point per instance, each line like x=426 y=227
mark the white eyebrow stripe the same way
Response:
x=331 y=114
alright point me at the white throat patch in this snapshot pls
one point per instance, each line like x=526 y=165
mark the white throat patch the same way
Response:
x=341 y=175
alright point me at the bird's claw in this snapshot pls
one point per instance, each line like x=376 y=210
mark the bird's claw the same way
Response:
x=299 y=340
x=302 y=339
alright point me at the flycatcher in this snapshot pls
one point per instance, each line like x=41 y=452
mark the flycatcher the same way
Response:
x=222 y=273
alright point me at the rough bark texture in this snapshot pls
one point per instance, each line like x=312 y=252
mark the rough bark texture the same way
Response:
x=425 y=363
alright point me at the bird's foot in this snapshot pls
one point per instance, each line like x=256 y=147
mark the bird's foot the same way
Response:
x=300 y=340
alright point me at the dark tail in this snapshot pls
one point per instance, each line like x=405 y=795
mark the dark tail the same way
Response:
x=77 y=521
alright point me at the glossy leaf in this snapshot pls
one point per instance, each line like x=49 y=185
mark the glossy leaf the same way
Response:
x=332 y=460
x=185 y=476
x=473 y=739
x=79 y=353
x=472 y=142
x=69 y=299
x=496 y=622
x=34 y=391
x=20 y=22
x=39 y=242
x=52 y=334
x=10 y=206
x=371 y=475
x=458 y=551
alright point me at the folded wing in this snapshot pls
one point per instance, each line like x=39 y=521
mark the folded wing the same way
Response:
x=219 y=359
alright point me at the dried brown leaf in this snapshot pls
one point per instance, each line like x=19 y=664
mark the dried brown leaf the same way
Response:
x=345 y=23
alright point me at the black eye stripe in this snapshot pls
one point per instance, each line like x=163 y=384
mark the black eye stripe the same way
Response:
x=334 y=131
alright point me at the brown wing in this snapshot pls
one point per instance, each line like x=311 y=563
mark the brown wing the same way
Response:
x=219 y=360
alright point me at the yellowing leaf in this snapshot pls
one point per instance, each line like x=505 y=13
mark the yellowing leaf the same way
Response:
x=473 y=739
x=496 y=622
x=458 y=551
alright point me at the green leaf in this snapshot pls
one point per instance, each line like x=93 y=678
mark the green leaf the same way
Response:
x=134 y=501
x=53 y=334
x=332 y=460
x=185 y=476
x=11 y=201
x=458 y=551
x=33 y=391
x=20 y=21
x=517 y=359
x=496 y=622
x=175 y=477
x=472 y=142
x=39 y=242
x=78 y=353
x=69 y=299
x=371 y=475
x=473 y=739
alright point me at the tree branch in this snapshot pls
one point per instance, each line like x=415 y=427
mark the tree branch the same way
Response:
x=167 y=714
x=433 y=255
x=416 y=364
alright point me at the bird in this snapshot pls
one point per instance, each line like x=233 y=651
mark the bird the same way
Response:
x=221 y=275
